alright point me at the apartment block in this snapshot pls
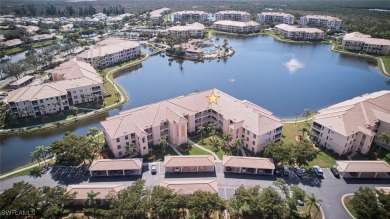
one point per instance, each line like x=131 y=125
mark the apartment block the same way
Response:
x=353 y=125
x=321 y=20
x=299 y=33
x=190 y=16
x=143 y=127
x=269 y=17
x=365 y=43
x=73 y=83
x=110 y=51
x=195 y=30
x=237 y=26
x=158 y=14
x=232 y=15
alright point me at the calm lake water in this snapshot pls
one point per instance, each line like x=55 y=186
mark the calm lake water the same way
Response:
x=284 y=78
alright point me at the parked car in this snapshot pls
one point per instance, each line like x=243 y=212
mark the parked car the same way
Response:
x=300 y=171
x=278 y=170
x=286 y=171
x=153 y=169
x=177 y=169
x=318 y=171
x=335 y=172
x=353 y=174
x=300 y=202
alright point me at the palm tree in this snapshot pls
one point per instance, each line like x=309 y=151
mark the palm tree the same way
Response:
x=130 y=149
x=238 y=144
x=163 y=143
x=35 y=155
x=201 y=131
x=91 y=201
x=118 y=95
x=385 y=137
x=94 y=133
x=312 y=200
x=24 y=113
x=42 y=151
x=212 y=128
x=306 y=113
x=75 y=110
x=58 y=103
x=227 y=138
x=303 y=130
x=217 y=40
x=225 y=43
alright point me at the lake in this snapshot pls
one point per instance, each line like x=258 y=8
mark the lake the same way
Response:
x=281 y=77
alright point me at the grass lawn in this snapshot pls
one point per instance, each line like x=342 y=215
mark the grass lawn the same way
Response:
x=290 y=130
x=323 y=160
x=207 y=144
x=347 y=202
x=29 y=171
x=195 y=151
x=13 y=50
x=158 y=155
x=315 y=212
x=45 y=43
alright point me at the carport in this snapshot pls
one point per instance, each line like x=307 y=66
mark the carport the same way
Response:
x=250 y=165
x=116 y=167
x=195 y=163
x=102 y=190
x=363 y=169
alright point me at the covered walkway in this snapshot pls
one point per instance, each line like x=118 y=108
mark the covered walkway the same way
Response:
x=363 y=169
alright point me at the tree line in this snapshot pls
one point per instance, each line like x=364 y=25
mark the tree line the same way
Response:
x=138 y=201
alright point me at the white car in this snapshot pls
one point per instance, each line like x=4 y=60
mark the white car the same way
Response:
x=318 y=170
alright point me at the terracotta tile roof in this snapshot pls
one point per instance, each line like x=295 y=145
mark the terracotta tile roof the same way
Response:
x=236 y=23
x=189 y=187
x=194 y=26
x=103 y=190
x=21 y=80
x=291 y=28
x=159 y=11
x=364 y=166
x=357 y=114
x=75 y=69
x=255 y=118
x=248 y=162
x=116 y=164
x=367 y=39
x=189 y=161
x=13 y=42
x=107 y=47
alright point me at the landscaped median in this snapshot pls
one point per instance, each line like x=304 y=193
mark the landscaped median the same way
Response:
x=109 y=74
x=346 y=201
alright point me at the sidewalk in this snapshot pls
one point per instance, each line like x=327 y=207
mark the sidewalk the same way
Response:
x=22 y=169
x=205 y=149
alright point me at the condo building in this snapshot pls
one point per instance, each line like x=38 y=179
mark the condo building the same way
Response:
x=158 y=14
x=237 y=26
x=365 y=43
x=321 y=20
x=195 y=30
x=144 y=126
x=74 y=82
x=299 y=33
x=190 y=16
x=353 y=125
x=269 y=17
x=232 y=15
x=110 y=51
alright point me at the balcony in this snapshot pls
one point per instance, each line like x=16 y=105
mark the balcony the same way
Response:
x=315 y=133
x=163 y=127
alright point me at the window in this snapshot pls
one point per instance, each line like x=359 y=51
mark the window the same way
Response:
x=348 y=138
x=118 y=140
x=127 y=143
x=120 y=153
x=253 y=142
x=118 y=146
x=143 y=140
x=247 y=132
x=126 y=137
x=144 y=148
x=246 y=145
x=254 y=136
x=329 y=131
x=74 y=92
x=247 y=139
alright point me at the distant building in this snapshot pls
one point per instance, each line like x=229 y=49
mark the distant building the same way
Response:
x=232 y=15
x=321 y=20
x=102 y=190
x=353 y=125
x=59 y=95
x=144 y=126
x=110 y=51
x=299 y=33
x=237 y=26
x=25 y=80
x=12 y=43
x=190 y=16
x=42 y=37
x=195 y=30
x=188 y=187
x=365 y=43
x=269 y=17
x=158 y=14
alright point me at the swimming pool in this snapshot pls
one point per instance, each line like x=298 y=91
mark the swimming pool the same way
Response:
x=209 y=49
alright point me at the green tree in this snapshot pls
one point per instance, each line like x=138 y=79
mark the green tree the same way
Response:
x=163 y=143
x=203 y=204
x=94 y=134
x=272 y=205
x=202 y=131
x=162 y=202
x=91 y=201
x=72 y=149
x=280 y=151
x=385 y=137
x=312 y=200
x=306 y=113
x=237 y=144
x=40 y=154
x=365 y=203
x=245 y=201
x=384 y=206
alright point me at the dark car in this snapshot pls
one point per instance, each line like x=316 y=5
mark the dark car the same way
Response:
x=335 y=172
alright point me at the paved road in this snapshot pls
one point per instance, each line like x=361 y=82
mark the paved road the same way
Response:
x=329 y=189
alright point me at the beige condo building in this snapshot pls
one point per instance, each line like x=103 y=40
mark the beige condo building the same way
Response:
x=322 y=20
x=354 y=124
x=268 y=17
x=143 y=127
x=237 y=26
x=299 y=33
x=74 y=82
x=365 y=43
x=232 y=15
x=110 y=51
x=195 y=30
x=190 y=16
